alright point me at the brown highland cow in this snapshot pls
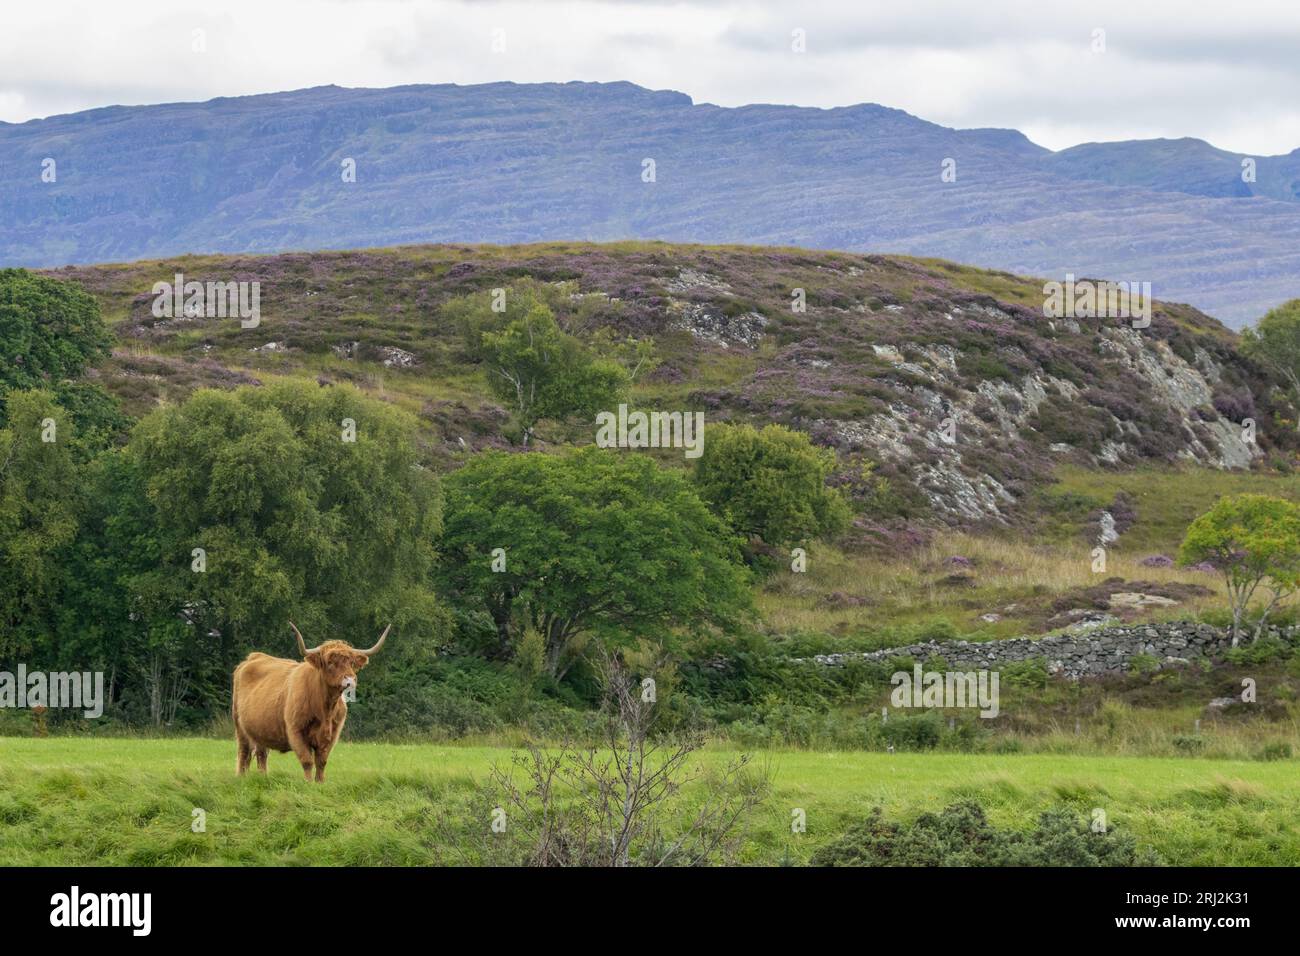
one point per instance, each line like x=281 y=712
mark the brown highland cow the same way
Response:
x=288 y=705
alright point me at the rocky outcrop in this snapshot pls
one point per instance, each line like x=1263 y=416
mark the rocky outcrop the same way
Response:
x=940 y=419
x=712 y=324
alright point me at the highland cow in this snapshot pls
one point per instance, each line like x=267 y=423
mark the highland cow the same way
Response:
x=285 y=705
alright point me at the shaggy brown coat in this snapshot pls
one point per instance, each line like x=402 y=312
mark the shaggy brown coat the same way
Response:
x=284 y=705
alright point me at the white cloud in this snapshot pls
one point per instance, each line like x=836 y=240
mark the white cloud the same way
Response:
x=1225 y=73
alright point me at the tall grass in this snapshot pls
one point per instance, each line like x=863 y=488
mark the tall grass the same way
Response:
x=918 y=586
x=131 y=802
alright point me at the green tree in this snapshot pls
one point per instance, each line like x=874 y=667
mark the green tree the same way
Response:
x=306 y=503
x=770 y=484
x=40 y=503
x=62 y=601
x=97 y=416
x=592 y=544
x=532 y=364
x=97 y=624
x=1254 y=541
x=49 y=330
x=1275 y=344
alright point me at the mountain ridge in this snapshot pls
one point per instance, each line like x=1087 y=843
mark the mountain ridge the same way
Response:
x=511 y=163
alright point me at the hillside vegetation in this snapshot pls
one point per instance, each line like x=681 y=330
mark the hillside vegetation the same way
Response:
x=887 y=350
x=979 y=448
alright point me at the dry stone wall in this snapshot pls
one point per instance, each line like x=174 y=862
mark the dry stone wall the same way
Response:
x=1074 y=656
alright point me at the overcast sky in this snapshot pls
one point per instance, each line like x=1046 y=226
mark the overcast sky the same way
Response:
x=1228 y=73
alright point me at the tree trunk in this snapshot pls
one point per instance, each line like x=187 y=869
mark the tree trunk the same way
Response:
x=554 y=652
x=154 y=678
x=1238 y=607
x=501 y=620
x=1263 y=617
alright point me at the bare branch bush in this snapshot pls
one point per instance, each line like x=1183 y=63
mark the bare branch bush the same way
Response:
x=619 y=800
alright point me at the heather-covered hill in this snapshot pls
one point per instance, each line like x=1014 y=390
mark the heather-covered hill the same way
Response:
x=891 y=359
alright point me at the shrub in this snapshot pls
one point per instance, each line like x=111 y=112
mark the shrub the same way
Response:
x=976 y=367
x=1278 y=750
x=937 y=629
x=962 y=836
x=49 y=330
x=1188 y=743
x=1058 y=420
x=1264 y=651
x=1143 y=664
x=619 y=801
x=771 y=484
x=1026 y=673
x=914 y=731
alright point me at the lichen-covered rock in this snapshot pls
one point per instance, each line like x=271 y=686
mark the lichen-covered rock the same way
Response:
x=393 y=357
x=715 y=325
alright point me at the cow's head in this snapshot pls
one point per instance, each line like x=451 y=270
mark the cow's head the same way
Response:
x=338 y=661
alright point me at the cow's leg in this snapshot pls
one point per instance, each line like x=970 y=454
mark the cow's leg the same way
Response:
x=322 y=756
x=323 y=751
x=303 y=750
x=260 y=754
x=245 y=747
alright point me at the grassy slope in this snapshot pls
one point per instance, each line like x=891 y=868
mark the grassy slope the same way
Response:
x=1031 y=571
x=124 y=802
x=1167 y=499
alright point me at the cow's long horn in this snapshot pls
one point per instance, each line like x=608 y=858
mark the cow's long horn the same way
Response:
x=380 y=643
x=302 y=646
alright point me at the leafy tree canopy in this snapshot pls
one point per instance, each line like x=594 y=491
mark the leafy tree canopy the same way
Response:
x=1274 y=343
x=533 y=365
x=307 y=502
x=593 y=543
x=770 y=483
x=40 y=495
x=49 y=330
x=1254 y=541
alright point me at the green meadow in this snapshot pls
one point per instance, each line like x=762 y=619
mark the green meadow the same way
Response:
x=131 y=802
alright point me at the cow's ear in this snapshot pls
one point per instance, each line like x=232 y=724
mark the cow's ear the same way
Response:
x=314 y=658
x=359 y=661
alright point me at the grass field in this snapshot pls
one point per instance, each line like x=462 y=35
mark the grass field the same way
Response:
x=130 y=802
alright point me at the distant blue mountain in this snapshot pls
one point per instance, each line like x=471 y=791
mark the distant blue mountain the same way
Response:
x=1190 y=166
x=514 y=163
